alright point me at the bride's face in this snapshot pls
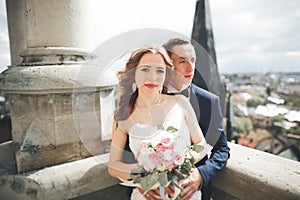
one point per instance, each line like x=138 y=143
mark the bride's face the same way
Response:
x=150 y=73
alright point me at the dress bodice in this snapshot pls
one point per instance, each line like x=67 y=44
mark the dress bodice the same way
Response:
x=142 y=132
x=139 y=133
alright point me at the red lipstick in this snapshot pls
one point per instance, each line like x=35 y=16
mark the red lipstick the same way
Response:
x=150 y=85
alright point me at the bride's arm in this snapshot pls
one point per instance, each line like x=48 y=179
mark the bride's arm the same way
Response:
x=117 y=168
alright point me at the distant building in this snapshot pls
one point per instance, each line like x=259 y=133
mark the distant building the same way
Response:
x=263 y=140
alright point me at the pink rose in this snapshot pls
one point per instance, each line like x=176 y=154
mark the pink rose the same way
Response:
x=171 y=146
x=160 y=147
x=178 y=159
x=156 y=158
x=166 y=141
x=170 y=165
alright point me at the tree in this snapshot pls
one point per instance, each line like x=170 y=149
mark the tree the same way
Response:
x=243 y=124
x=254 y=102
x=294 y=130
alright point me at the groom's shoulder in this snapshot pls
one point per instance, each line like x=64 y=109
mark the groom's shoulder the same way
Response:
x=204 y=94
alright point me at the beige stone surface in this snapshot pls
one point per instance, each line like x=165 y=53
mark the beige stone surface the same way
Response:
x=45 y=79
x=57 y=23
x=7 y=159
x=16 y=25
x=252 y=174
x=55 y=105
x=46 y=131
x=56 y=112
x=59 y=182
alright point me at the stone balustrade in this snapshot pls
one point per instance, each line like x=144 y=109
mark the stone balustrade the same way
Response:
x=252 y=174
x=249 y=174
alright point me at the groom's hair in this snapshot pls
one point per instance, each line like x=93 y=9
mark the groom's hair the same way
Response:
x=171 y=43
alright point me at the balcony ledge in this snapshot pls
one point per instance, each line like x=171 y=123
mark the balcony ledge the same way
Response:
x=252 y=174
x=249 y=174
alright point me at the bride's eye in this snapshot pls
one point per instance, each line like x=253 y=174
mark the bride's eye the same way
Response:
x=145 y=69
x=161 y=71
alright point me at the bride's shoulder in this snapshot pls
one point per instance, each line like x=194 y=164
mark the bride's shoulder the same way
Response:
x=124 y=125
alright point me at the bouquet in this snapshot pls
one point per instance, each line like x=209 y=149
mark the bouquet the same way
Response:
x=160 y=163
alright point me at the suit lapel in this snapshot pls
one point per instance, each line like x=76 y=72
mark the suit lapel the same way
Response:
x=195 y=103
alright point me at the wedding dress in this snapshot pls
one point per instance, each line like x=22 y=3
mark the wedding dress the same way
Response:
x=141 y=132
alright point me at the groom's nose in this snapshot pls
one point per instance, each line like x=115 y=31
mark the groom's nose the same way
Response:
x=189 y=66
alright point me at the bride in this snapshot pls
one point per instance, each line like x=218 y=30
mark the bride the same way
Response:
x=142 y=105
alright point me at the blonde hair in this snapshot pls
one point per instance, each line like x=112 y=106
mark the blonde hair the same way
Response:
x=125 y=94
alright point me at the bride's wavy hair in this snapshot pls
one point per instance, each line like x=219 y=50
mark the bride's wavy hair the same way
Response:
x=125 y=92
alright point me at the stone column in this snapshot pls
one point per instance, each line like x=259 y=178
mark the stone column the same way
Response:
x=16 y=26
x=45 y=129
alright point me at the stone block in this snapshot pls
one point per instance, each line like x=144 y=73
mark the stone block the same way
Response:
x=7 y=159
x=47 y=129
x=65 y=181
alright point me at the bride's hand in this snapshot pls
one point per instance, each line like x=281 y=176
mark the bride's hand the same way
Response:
x=154 y=194
x=150 y=194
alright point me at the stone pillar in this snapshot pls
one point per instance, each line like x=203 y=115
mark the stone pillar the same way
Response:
x=16 y=26
x=45 y=129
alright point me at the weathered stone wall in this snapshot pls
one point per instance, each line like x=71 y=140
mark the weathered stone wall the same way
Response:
x=56 y=107
x=65 y=181
x=45 y=131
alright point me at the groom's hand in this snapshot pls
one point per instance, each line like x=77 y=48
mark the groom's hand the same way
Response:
x=191 y=184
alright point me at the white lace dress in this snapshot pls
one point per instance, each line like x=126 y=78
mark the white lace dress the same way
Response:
x=141 y=132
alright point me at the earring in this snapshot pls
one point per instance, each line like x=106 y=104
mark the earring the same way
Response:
x=134 y=87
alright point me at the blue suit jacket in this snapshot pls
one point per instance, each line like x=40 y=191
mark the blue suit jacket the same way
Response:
x=207 y=109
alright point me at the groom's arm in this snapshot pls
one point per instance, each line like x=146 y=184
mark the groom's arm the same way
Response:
x=208 y=168
x=216 y=162
x=220 y=152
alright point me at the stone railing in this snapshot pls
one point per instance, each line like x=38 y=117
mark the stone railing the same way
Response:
x=64 y=181
x=252 y=174
x=249 y=174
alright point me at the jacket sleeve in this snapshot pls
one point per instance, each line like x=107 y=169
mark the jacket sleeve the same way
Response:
x=220 y=152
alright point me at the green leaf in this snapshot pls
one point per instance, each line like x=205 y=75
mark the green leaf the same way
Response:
x=163 y=178
x=170 y=176
x=136 y=171
x=179 y=174
x=192 y=160
x=189 y=165
x=135 y=178
x=172 y=129
x=177 y=185
x=148 y=181
x=184 y=170
x=198 y=148
x=160 y=127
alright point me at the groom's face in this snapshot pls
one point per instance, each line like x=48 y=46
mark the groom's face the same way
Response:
x=184 y=60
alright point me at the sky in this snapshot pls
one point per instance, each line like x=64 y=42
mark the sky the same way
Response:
x=250 y=35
